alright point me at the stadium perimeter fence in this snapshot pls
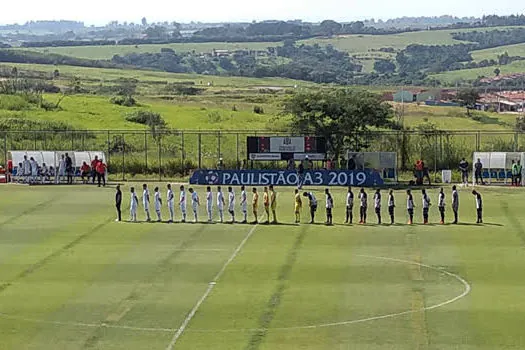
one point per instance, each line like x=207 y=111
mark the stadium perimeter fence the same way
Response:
x=174 y=153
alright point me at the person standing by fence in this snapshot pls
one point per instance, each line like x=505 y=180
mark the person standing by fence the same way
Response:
x=478 y=172
x=94 y=164
x=463 y=167
x=69 y=169
x=101 y=173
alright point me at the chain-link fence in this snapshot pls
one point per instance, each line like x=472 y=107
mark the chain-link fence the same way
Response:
x=176 y=153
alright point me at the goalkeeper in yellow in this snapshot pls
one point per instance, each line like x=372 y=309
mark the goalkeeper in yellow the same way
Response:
x=298 y=206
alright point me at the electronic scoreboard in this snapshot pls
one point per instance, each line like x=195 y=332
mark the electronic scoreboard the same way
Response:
x=286 y=148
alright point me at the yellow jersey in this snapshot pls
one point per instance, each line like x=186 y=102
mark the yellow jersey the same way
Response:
x=255 y=200
x=273 y=199
x=298 y=200
x=266 y=199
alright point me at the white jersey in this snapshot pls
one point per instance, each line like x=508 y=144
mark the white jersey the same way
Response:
x=231 y=201
x=410 y=202
x=244 y=201
x=134 y=201
x=157 y=201
x=26 y=165
x=313 y=200
x=391 y=202
x=62 y=166
x=349 y=200
x=170 y=198
x=182 y=199
x=479 y=202
x=34 y=167
x=377 y=200
x=363 y=198
x=145 y=198
x=220 y=200
x=194 y=200
x=329 y=201
x=209 y=200
x=441 y=200
x=426 y=201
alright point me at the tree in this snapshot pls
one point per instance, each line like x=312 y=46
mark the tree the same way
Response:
x=468 y=98
x=144 y=21
x=497 y=71
x=384 y=66
x=341 y=116
x=329 y=27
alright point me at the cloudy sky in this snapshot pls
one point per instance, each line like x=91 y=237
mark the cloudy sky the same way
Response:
x=103 y=11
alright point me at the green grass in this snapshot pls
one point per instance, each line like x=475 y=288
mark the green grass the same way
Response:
x=472 y=74
x=493 y=53
x=107 y=52
x=79 y=270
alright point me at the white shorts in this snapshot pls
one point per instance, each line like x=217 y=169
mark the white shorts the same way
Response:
x=146 y=206
x=209 y=208
x=195 y=208
x=244 y=208
x=171 y=206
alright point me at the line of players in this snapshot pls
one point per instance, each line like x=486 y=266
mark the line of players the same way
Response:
x=269 y=200
x=270 y=204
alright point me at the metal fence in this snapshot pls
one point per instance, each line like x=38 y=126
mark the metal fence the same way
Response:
x=176 y=152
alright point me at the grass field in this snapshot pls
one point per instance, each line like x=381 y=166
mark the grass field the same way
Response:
x=472 y=74
x=71 y=278
x=487 y=54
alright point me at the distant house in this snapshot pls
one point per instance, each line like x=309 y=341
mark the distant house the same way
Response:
x=221 y=53
x=407 y=95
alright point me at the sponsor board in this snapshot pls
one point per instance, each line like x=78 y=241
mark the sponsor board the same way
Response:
x=286 y=178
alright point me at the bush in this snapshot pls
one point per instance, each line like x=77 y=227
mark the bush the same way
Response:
x=148 y=118
x=125 y=101
x=258 y=110
x=14 y=103
x=214 y=117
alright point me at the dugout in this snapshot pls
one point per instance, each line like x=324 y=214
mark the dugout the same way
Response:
x=384 y=162
x=497 y=166
x=52 y=158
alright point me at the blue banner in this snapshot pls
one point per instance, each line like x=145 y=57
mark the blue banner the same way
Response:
x=367 y=178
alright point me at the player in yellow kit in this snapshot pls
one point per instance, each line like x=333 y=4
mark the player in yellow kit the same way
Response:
x=255 y=204
x=266 y=202
x=273 y=204
x=298 y=206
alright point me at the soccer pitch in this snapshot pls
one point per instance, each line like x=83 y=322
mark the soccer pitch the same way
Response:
x=72 y=278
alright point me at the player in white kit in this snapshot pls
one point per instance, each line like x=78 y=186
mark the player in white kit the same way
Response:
x=231 y=203
x=61 y=170
x=182 y=203
x=195 y=202
x=244 y=205
x=158 y=203
x=170 y=198
x=145 y=201
x=220 y=203
x=133 y=205
x=209 y=203
x=26 y=169
x=34 y=169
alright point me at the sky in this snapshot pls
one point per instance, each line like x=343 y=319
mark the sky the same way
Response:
x=100 y=12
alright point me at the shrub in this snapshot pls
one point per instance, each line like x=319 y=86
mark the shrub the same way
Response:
x=125 y=101
x=258 y=110
x=214 y=117
x=148 y=118
x=14 y=103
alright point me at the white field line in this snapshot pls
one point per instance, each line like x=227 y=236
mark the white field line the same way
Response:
x=211 y=285
x=466 y=291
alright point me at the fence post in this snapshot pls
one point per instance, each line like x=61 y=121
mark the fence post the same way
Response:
x=478 y=142
x=5 y=149
x=72 y=140
x=237 y=145
x=109 y=150
x=123 y=157
x=200 y=149
x=34 y=134
x=218 y=145
x=516 y=142
x=146 y=149
x=160 y=158
x=182 y=153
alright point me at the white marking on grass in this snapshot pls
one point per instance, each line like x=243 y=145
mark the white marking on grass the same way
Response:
x=466 y=291
x=211 y=285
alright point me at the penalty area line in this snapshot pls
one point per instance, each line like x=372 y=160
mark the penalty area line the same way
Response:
x=211 y=285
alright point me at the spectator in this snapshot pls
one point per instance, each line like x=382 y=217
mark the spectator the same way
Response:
x=34 y=169
x=101 y=173
x=94 y=164
x=351 y=163
x=300 y=175
x=9 y=170
x=69 y=169
x=343 y=163
x=478 y=170
x=418 y=172
x=61 y=171
x=84 y=172
x=306 y=164
x=463 y=167
x=220 y=164
x=329 y=164
x=426 y=173
x=518 y=173
x=291 y=164
x=44 y=172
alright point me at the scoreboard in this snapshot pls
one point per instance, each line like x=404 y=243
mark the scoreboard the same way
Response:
x=285 y=148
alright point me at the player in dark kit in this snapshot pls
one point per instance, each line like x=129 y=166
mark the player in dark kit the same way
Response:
x=479 y=207
x=363 y=206
x=410 y=207
x=118 y=203
x=391 y=206
x=455 y=203
x=441 y=206
x=377 y=205
x=426 y=206
x=349 y=206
